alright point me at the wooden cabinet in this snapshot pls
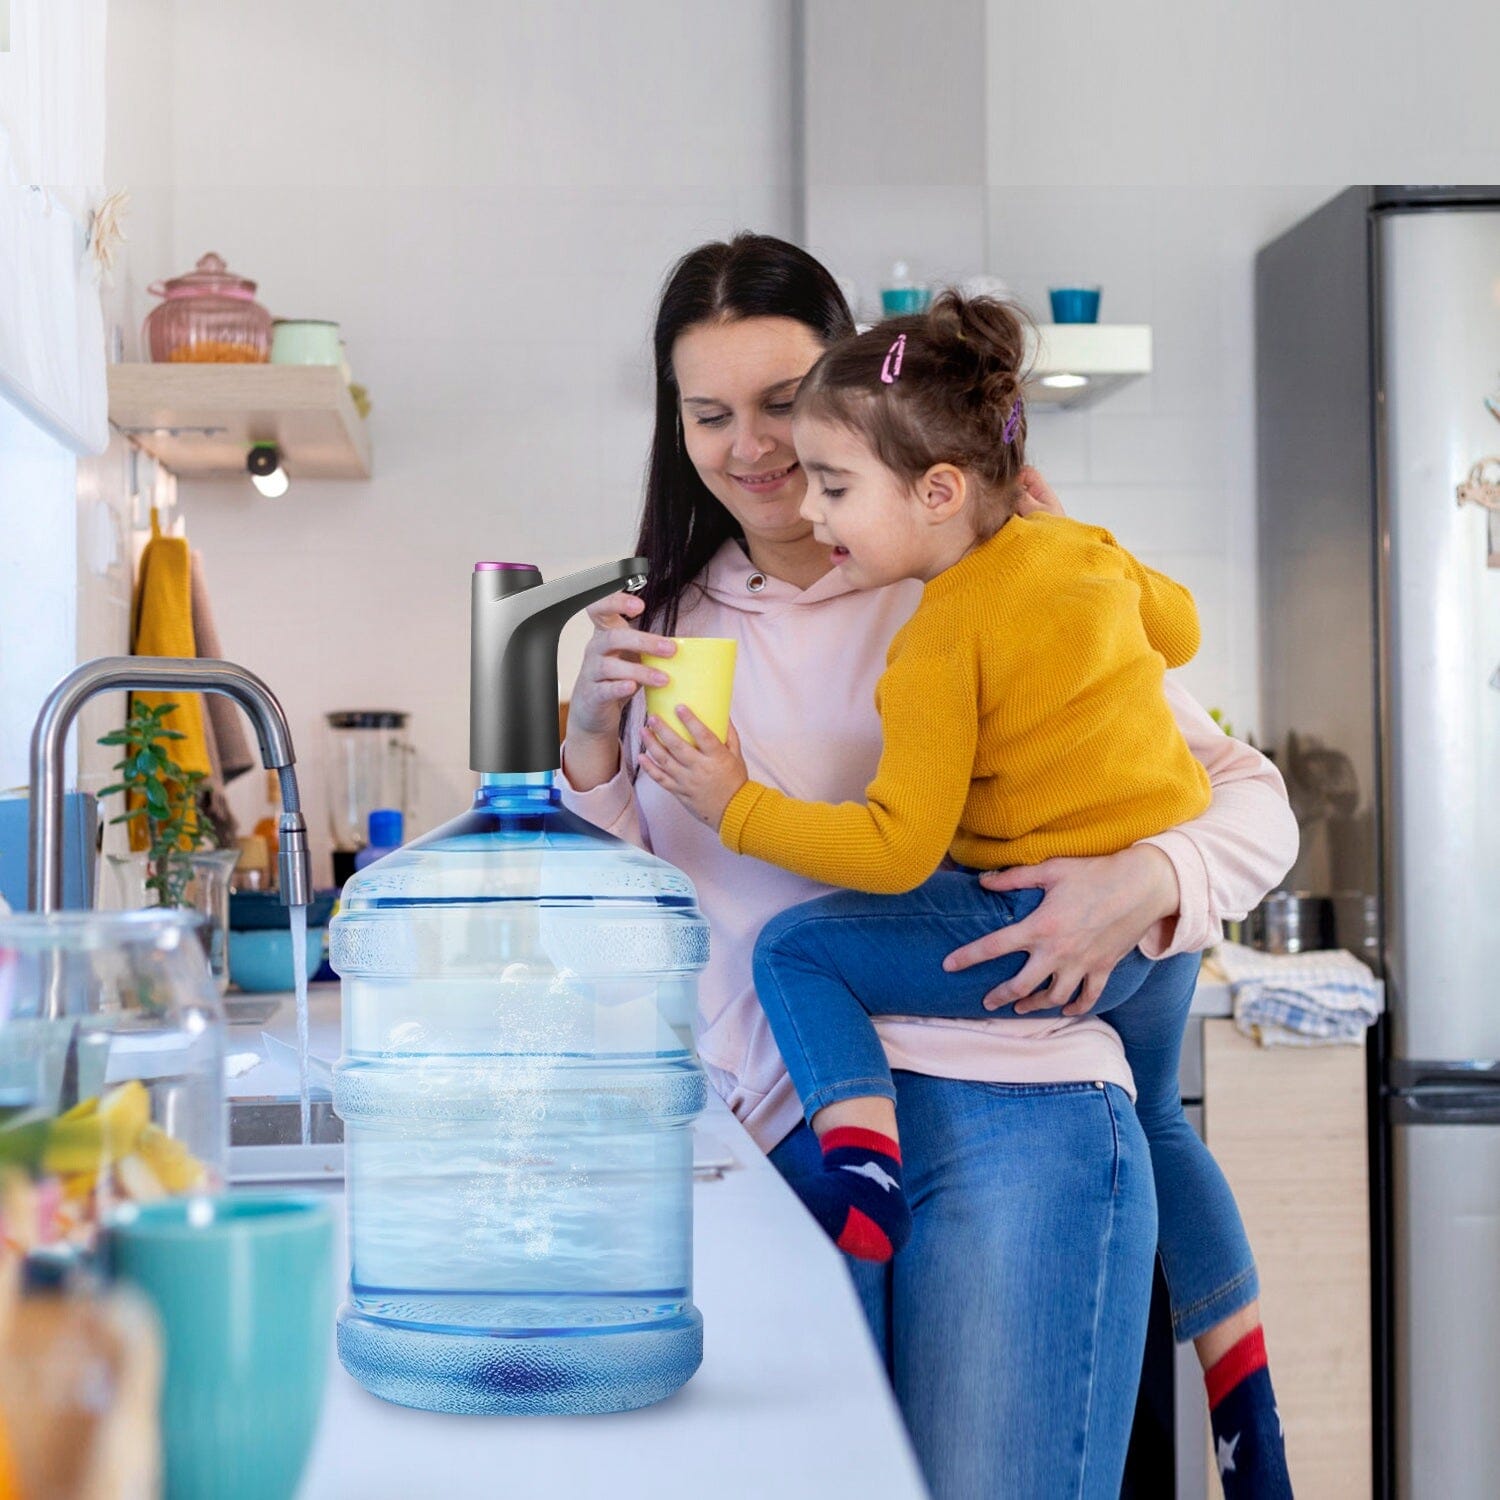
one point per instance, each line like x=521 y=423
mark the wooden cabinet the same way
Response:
x=1287 y=1125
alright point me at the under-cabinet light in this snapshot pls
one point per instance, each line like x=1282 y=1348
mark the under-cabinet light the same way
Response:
x=264 y=465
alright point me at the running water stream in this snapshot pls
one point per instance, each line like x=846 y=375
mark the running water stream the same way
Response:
x=298 y=915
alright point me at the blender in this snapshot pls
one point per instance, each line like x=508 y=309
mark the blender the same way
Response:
x=368 y=763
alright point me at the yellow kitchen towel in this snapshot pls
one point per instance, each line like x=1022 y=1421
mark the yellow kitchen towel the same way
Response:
x=163 y=626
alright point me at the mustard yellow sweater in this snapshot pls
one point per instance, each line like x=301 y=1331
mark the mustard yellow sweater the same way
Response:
x=1023 y=717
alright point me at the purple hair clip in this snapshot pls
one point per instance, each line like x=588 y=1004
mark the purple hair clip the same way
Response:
x=893 y=356
x=1012 y=422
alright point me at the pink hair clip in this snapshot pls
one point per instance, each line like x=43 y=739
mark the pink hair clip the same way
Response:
x=1012 y=422
x=892 y=366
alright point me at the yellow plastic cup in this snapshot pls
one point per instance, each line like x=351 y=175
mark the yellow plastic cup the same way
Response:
x=701 y=676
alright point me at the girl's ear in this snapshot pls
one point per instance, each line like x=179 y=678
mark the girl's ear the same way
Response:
x=943 y=491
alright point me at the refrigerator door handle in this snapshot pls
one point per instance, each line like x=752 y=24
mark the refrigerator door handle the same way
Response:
x=1405 y=1077
x=1449 y=1103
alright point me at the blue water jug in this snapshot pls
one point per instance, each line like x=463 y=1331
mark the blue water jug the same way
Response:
x=517 y=1110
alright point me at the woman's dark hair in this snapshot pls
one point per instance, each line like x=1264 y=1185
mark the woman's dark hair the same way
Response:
x=751 y=276
x=942 y=386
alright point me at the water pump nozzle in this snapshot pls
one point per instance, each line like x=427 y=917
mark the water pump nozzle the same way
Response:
x=516 y=621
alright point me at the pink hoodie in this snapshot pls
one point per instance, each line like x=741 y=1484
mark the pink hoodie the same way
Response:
x=804 y=705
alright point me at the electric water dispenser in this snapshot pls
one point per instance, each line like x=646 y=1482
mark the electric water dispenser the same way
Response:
x=517 y=1109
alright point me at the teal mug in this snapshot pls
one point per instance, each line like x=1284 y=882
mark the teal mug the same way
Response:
x=243 y=1288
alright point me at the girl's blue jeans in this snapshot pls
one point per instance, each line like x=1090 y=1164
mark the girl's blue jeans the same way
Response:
x=824 y=968
x=1013 y=1322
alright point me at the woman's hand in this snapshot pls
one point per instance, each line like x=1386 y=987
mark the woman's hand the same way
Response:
x=612 y=669
x=1037 y=495
x=1093 y=913
x=610 y=674
x=704 y=775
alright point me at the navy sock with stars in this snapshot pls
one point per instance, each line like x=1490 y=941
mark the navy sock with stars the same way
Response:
x=858 y=1197
x=1249 y=1446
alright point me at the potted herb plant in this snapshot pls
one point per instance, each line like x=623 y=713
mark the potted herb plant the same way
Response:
x=179 y=864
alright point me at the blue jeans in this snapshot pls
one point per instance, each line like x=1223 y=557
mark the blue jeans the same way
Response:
x=824 y=968
x=1013 y=1322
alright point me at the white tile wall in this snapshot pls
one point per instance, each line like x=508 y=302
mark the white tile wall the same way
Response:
x=1167 y=463
x=487 y=197
x=38 y=580
x=106 y=558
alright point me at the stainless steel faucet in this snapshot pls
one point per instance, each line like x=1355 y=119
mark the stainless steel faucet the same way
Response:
x=154 y=674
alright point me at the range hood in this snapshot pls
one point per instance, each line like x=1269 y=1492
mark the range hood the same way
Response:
x=1075 y=364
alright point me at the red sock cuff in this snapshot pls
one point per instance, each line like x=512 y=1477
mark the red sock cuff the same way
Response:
x=1245 y=1358
x=863 y=1140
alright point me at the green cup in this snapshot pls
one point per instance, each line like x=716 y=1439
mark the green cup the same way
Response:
x=243 y=1286
x=305 y=341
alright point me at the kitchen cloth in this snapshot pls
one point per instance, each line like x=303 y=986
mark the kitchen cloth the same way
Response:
x=229 y=751
x=1300 y=999
x=162 y=625
x=226 y=721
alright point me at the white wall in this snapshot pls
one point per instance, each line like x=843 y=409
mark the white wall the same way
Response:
x=52 y=138
x=1270 y=93
x=486 y=196
x=1168 y=462
x=895 y=140
x=1212 y=110
x=38 y=576
x=926 y=132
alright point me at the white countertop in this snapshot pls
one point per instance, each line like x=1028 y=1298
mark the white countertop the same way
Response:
x=790 y=1401
x=276 y=1075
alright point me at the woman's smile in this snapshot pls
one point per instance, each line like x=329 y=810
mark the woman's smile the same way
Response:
x=766 y=482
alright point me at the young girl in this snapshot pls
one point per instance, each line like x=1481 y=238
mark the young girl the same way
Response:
x=1023 y=718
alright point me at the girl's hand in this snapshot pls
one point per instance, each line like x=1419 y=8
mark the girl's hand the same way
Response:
x=1094 y=912
x=1037 y=495
x=704 y=775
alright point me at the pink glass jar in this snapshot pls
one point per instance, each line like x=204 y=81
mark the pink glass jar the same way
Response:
x=210 y=316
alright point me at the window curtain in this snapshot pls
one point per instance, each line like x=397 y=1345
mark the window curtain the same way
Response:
x=51 y=171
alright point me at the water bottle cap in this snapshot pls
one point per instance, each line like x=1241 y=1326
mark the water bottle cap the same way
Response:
x=385 y=828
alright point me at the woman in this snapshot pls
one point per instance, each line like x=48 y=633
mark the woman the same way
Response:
x=1014 y=1320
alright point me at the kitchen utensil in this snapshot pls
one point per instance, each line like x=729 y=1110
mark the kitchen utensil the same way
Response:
x=305 y=341
x=369 y=764
x=701 y=674
x=111 y=1051
x=243 y=1288
x=900 y=295
x=1075 y=304
x=210 y=316
x=260 y=939
x=1290 y=922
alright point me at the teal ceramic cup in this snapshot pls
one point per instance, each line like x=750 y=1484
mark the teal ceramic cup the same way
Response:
x=243 y=1287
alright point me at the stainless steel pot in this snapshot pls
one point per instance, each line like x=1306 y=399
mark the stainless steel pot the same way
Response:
x=1290 y=922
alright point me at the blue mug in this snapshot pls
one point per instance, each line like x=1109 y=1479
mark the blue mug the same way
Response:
x=243 y=1288
x=1075 y=304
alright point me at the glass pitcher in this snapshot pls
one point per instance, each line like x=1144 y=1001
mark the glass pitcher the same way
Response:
x=111 y=1070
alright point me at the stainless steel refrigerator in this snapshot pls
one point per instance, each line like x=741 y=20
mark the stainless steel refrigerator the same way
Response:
x=1378 y=391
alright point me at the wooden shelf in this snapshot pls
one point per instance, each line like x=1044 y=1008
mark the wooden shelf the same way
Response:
x=200 y=420
x=1108 y=355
